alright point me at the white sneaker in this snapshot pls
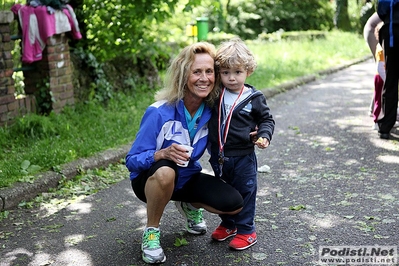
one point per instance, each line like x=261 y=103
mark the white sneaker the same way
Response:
x=152 y=251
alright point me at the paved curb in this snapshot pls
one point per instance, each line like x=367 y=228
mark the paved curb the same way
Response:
x=10 y=197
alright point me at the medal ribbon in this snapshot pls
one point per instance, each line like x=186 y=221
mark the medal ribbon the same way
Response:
x=223 y=127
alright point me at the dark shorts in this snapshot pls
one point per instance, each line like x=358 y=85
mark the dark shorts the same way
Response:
x=201 y=188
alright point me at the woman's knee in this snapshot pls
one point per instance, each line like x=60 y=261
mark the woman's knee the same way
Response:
x=164 y=176
x=231 y=205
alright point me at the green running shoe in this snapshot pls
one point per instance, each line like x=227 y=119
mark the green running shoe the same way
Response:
x=195 y=224
x=151 y=247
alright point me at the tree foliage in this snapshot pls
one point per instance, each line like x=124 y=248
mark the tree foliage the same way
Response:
x=121 y=27
x=248 y=19
x=147 y=33
x=145 y=28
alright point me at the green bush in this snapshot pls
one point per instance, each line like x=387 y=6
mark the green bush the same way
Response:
x=120 y=27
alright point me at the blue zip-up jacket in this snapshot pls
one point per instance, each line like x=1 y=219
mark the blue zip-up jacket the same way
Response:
x=162 y=125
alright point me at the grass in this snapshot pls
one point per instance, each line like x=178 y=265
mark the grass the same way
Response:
x=283 y=61
x=39 y=143
x=46 y=142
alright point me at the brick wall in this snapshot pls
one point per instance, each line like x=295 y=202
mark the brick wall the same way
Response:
x=54 y=68
x=7 y=99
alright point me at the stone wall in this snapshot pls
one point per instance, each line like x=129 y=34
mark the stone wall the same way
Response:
x=54 y=69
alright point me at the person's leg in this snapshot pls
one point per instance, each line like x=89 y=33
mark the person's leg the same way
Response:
x=390 y=90
x=241 y=173
x=203 y=191
x=155 y=187
x=158 y=191
x=244 y=179
x=390 y=95
x=211 y=193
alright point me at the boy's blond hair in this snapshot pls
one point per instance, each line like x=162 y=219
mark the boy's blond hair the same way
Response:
x=235 y=53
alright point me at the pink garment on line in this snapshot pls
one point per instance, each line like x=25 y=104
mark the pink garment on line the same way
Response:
x=38 y=24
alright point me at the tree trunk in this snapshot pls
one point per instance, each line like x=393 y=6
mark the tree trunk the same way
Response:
x=342 y=20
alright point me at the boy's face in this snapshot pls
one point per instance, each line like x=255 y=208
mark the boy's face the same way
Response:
x=233 y=78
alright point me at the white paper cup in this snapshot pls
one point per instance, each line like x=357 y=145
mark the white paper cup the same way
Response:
x=190 y=151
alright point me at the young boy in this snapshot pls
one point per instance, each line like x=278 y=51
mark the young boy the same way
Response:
x=240 y=110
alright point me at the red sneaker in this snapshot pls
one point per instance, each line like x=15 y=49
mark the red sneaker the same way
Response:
x=221 y=233
x=241 y=242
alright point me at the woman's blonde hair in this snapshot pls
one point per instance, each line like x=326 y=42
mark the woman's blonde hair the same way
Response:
x=235 y=53
x=178 y=73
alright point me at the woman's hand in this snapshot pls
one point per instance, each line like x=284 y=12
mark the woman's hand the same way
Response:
x=174 y=152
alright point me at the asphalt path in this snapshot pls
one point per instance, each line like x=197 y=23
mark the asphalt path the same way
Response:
x=328 y=180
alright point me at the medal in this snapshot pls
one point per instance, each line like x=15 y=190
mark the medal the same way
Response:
x=223 y=125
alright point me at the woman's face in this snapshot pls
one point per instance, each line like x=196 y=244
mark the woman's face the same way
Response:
x=201 y=79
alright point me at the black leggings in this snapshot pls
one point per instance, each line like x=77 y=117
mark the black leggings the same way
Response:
x=201 y=188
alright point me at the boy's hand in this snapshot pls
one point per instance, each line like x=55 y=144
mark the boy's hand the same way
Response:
x=262 y=143
x=254 y=135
